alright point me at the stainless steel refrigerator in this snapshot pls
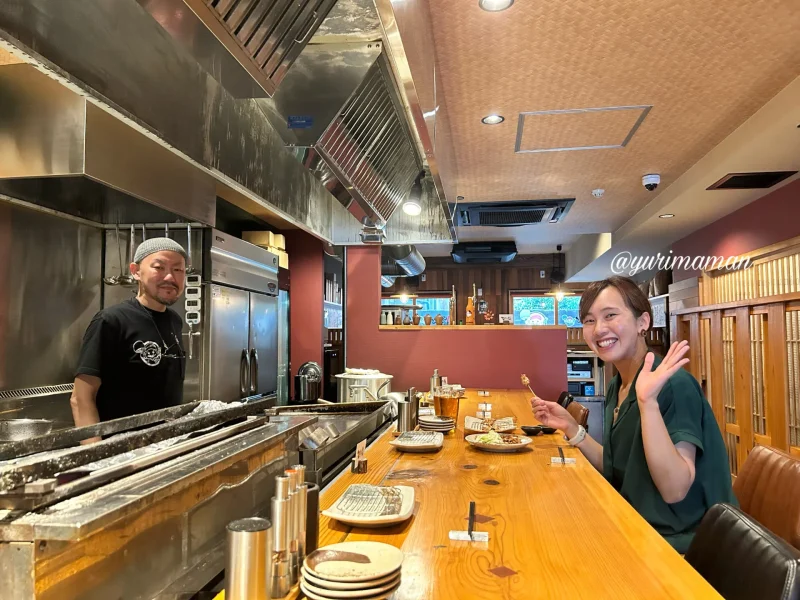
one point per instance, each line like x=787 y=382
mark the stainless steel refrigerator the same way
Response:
x=239 y=327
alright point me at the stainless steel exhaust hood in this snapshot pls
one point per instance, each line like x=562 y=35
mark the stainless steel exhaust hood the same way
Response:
x=340 y=111
x=64 y=149
x=242 y=42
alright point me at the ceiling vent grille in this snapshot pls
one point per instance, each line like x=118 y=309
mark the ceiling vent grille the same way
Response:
x=511 y=214
x=512 y=217
x=751 y=181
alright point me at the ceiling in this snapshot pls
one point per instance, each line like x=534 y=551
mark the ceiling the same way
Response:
x=704 y=68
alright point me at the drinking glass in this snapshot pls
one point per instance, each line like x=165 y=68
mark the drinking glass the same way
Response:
x=446 y=402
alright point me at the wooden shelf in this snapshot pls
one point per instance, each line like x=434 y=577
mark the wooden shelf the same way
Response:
x=465 y=327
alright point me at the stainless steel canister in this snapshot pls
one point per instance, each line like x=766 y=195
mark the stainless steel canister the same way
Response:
x=249 y=552
x=404 y=417
x=412 y=399
x=281 y=580
x=312 y=519
x=293 y=528
x=302 y=506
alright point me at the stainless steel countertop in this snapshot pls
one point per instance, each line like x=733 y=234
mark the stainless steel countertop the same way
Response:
x=78 y=517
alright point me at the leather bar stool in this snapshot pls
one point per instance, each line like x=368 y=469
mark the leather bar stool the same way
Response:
x=565 y=399
x=742 y=559
x=579 y=412
x=768 y=489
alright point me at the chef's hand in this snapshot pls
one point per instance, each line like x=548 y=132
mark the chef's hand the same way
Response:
x=552 y=414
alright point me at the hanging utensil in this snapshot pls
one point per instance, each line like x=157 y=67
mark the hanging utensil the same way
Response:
x=190 y=270
x=127 y=278
x=144 y=233
x=114 y=279
x=166 y=230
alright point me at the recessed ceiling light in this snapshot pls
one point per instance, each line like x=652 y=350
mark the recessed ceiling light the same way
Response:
x=495 y=5
x=412 y=208
x=492 y=119
x=666 y=216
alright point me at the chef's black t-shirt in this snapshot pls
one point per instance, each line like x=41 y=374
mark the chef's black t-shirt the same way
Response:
x=122 y=347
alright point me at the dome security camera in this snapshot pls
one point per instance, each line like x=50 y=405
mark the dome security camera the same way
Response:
x=650 y=182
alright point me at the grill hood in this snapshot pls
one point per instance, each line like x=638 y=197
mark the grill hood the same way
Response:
x=339 y=112
x=59 y=150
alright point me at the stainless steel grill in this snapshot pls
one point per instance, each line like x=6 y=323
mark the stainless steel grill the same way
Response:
x=35 y=392
x=362 y=500
x=369 y=141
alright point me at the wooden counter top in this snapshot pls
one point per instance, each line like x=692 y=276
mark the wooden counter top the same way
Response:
x=554 y=531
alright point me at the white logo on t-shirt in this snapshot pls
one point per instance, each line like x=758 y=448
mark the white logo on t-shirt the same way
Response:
x=149 y=352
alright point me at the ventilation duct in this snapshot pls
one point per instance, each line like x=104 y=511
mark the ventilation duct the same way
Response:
x=387 y=281
x=340 y=112
x=407 y=258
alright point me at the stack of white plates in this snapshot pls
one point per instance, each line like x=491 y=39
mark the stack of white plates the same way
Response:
x=437 y=423
x=358 y=570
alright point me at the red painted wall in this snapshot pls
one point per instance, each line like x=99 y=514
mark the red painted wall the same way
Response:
x=306 y=274
x=483 y=358
x=768 y=220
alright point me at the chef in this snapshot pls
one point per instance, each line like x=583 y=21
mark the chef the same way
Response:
x=131 y=360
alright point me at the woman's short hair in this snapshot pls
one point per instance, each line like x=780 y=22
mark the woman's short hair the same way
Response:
x=634 y=298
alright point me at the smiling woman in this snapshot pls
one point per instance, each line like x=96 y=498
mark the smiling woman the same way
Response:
x=662 y=449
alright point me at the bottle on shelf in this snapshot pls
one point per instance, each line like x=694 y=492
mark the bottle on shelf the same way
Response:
x=451 y=319
x=470 y=320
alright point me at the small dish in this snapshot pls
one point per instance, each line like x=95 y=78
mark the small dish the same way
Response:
x=365 y=505
x=535 y=430
x=354 y=561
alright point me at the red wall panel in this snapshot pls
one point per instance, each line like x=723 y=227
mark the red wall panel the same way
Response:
x=482 y=358
x=769 y=220
x=306 y=274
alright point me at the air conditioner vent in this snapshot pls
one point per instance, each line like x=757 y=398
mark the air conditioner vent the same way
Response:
x=512 y=214
x=751 y=181
x=512 y=217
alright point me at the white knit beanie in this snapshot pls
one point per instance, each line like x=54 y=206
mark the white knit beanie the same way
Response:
x=153 y=245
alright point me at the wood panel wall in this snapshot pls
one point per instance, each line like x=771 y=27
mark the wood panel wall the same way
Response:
x=745 y=348
x=524 y=273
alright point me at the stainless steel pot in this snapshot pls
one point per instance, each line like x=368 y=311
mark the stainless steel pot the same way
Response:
x=378 y=385
x=12 y=430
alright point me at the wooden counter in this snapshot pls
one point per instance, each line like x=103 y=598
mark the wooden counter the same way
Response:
x=554 y=531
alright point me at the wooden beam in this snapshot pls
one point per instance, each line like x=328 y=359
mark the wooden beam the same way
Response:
x=762 y=440
x=717 y=375
x=743 y=379
x=696 y=348
x=792 y=297
x=733 y=428
x=776 y=377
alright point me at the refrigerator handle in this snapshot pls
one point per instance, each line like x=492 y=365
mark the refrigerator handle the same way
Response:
x=244 y=372
x=253 y=371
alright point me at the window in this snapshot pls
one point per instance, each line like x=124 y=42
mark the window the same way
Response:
x=538 y=309
x=431 y=305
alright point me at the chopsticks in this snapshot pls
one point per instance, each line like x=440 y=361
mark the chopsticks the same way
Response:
x=561 y=454
x=471 y=525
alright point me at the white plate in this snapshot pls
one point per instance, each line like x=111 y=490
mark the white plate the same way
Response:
x=436 y=420
x=375 y=560
x=505 y=424
x=339 y=585
x=410 y=445
x=406 y=510
x=365 y=592
x=473 y=441
x=315 y=596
